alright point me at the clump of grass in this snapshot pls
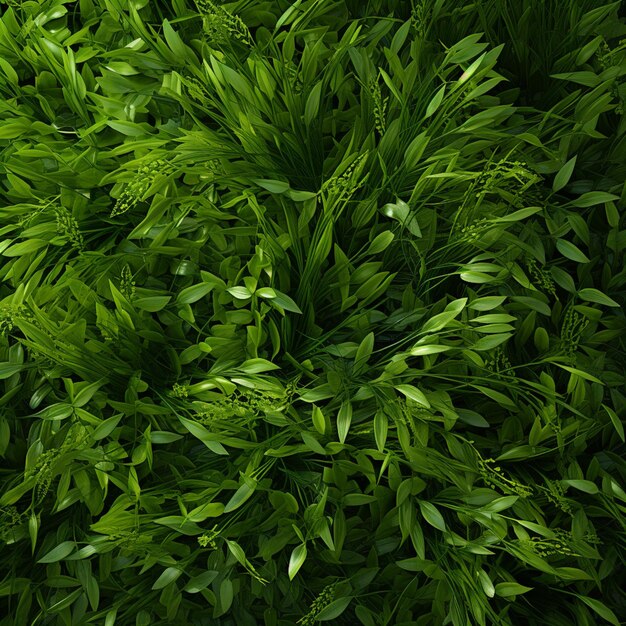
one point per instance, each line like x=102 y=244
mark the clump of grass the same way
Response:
x=312 y=313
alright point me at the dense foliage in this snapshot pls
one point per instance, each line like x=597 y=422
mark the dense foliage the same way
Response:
x=312 y=311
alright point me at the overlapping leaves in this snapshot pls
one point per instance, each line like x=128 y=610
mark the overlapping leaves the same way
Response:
x=311 y=312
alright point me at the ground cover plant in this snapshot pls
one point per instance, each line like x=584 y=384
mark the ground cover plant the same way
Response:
x=312 y=312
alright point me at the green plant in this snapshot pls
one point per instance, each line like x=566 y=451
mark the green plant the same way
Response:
x=312 y=312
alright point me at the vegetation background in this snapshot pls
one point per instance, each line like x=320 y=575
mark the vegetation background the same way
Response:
x=312 y=311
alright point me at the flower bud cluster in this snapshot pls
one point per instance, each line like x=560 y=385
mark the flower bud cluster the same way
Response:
x=326 y=596
x=556 y=495
x=560 y=545
x=420 y=17
x=127 y=284
x=136 y=188
x=474 y=230
x=500 y=365
x=572 y=329
x=495 y=478
x=380 y=106
x=350 y=180
x=208 y=538
x=10 y=518
x=8 y=316
x=541 y=278
x=67 y=226
x=221 y=26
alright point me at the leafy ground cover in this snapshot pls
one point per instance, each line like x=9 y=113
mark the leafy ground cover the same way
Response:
x=312 y=312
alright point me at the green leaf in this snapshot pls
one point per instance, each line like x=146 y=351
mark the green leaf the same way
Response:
x=33 y=529
x=519 y=452
x=616 y=421
x=572 y=573
x=344 y=418
x=162 y=437
x=363 y=353
x=240 y=496
x=601 y=609
x=563 y=279
x=415 y=150
x=9 y=72
x=240 y=293
x=334 y=609
x=519 y=215
x=413 y=393
x=571 y=251
x=65 y=602
x=265 y=292
x=472 y=418
x=441 y=320
x=435 y=102
x=318 y=420
x=400 y=37
x=589 y=79
x=174 y=41
x=582 y=485
x=506 y=590
x=201 y=581
x=594 y=295
x=9 y=369
x=296 y=560
x=204 y=511
x=256 y=366
x=106 y=427
x=486 y=583
x=55 y=412
x=63 y=550
x=564 y=174
x=207 y=438
x=533 y=303
x=432 y=515
x=152 y=304
x=591 y=198
x=226 y=594
x=273 y=186
x=491 y=342
x=426 y=349
x=381 y=425
x=301 y=196
x=486 y=303
x=25 y=247
x=86 y=394
x=177 y=523
x=494 y=318
x=129 y=129
x=579 y=372
x=192 y=294
x=285 y=302
x=168 y=576
x=500 y=504
x=312 y=106
x=401 y=212
x=380 y=243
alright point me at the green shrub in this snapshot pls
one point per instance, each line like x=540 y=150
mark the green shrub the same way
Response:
x=312 y=312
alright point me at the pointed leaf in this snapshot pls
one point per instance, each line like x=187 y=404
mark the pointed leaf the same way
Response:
x=564 y=174
x=594 y=295
x=571 y=251
x=506 y=590
x=413 y=393
x=296 y=561
x=344 y=418
x=59 y=553
x=432 y=515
